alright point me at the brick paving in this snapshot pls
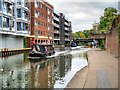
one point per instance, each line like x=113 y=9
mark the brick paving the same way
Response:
x=102 y=72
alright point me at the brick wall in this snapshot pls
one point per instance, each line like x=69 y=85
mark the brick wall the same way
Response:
x=112 y=42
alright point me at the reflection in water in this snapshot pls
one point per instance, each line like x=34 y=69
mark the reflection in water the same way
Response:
x=19 y=72
x=46 y=72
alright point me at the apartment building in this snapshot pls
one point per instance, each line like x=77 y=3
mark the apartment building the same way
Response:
x=62 y=30
x=42 y=21
x=14 y=23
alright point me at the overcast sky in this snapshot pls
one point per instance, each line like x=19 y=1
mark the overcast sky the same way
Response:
x=82 y=13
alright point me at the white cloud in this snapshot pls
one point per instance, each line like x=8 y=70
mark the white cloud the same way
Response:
x=82 y=13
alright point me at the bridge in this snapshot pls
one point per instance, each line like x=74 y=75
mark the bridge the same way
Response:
x=87 y=39
x=97 y=37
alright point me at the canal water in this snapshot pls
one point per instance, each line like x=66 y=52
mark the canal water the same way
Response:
x=56 y=71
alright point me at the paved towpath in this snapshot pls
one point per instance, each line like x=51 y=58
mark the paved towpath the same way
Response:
x=102 y=72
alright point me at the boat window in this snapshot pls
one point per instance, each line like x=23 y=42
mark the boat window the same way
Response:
x=37 y=48
x=42 y=47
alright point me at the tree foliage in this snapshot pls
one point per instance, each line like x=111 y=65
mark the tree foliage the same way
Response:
x=106 y=20
x=81 y=34
x=86 y=33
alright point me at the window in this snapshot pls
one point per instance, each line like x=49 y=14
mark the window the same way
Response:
x=19 y=13
x=4 y=7
x=48 y=27
x=39 y=32
x=0 y=5
x=36 y=23
x=11 y=24
x=36 y=4
x=36 y=13
x=48 y=11
x=40 y=5
x=19 y=26
x=19 y=2
x=48 y=19
x=0 y=21
x=5 y=22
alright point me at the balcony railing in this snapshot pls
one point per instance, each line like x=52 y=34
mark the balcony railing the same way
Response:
x=67 y=39
x=56 y=31
x=66 y=29
x=67 y=34
x=57 y=19
x=56 y=38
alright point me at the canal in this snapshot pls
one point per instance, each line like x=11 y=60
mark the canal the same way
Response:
x=56 y=71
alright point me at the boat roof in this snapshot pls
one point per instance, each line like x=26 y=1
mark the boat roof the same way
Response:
x=44 y=44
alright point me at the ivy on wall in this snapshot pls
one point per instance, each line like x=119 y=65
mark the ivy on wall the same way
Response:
x=119 y=33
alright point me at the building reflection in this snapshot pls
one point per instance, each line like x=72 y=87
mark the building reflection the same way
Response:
x=14 y=73
x=19 y=72
x=45 y=73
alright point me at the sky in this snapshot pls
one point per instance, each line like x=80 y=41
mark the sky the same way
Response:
x=82 y=13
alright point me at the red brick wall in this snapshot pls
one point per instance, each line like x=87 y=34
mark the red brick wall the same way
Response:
x=112 y=42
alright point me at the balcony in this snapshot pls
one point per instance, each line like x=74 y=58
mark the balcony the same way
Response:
x=56 y=31
x=67 y=39
x=24 y=5
x=56 y=25
x=67 y=34
x=8 y=9
x=56 y=38
x=57 y=19
x=9 y=1
x=66 y=29
x=66 y=23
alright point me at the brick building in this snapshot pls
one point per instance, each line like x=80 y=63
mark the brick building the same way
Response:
x=112 y=39
x=41 y=22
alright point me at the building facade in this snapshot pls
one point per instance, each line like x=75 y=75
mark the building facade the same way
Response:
x=14 y=23
x=42 y=21
x=62 y=30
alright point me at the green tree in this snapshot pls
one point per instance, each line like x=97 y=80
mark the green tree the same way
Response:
x=79 y=34
x=86 y=33
x=75 y=35
x=82 y=35
x=106 y=20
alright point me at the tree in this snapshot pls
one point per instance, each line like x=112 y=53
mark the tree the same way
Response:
x=75 y=35
x=82 y=35
x=79 y=34
x=106 y=20
x=86 y=33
